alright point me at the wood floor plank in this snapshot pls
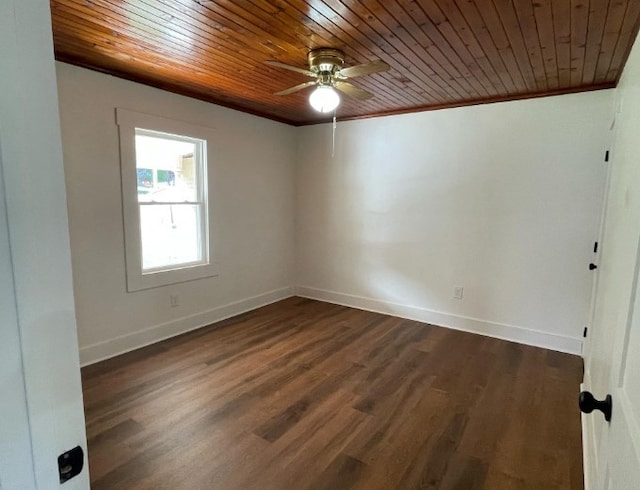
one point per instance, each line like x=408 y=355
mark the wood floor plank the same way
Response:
x=308 y=395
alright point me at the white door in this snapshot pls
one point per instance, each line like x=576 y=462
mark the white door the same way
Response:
x=16 y=465
x=620 y=450
x=612 y=356
x=41 y=412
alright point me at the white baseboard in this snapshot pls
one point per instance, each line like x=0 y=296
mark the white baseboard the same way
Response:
x=110 y=348
x=502 y=331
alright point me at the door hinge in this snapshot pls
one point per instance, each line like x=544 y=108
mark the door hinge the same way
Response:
x=584 y=332
x=606 y=156
x=595 y=247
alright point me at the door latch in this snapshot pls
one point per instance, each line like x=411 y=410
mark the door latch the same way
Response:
x=70 y=463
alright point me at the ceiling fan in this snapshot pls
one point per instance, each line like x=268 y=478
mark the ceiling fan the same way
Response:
x=326 y=67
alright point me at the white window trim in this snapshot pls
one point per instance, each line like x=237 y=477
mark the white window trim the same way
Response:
x=127 y=122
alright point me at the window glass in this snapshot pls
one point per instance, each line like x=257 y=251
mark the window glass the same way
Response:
x=166 y=168
x=169 y=172
x=170 y=235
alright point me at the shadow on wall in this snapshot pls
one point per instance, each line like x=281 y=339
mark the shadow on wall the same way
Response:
x=421 y=229
x=403 y=218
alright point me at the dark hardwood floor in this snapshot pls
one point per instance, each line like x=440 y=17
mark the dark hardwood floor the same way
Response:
x=308 y=395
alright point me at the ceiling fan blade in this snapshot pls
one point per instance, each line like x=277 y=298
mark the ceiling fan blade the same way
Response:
x=364 y=69
x=353 y=91
x=296 y=88
x=304 y=71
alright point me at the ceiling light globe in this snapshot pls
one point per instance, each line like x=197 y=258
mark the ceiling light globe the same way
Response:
x=324 y=99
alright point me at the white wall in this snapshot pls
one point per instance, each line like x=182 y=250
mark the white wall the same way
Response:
x=502 y=199
x=36 y=227
x=252 y=201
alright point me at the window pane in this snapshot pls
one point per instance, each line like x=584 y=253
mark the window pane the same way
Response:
x=170 y=235
x=166 y=169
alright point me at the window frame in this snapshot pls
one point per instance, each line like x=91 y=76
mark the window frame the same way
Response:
x=138 y=278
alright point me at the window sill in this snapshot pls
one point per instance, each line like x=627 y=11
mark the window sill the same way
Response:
x=139 y=282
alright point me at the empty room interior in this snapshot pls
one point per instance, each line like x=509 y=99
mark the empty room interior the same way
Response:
x=320 y=244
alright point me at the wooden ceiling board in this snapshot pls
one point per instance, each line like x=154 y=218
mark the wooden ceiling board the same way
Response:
x=442 y=53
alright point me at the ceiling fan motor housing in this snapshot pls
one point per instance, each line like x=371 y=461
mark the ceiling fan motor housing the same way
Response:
x=326 y=61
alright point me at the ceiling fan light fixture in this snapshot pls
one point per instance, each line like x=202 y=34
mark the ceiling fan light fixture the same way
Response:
x=324 y=99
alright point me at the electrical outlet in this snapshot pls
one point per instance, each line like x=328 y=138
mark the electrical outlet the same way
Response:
x=174 y=300
x=457 y=292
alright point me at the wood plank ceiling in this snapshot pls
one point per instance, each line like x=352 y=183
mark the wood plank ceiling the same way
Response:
x=443 y=53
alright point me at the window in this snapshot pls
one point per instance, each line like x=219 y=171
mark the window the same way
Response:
x=164 y=193
x=171 y=200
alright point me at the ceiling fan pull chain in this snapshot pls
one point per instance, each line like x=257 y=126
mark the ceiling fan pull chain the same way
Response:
x=333 y=144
